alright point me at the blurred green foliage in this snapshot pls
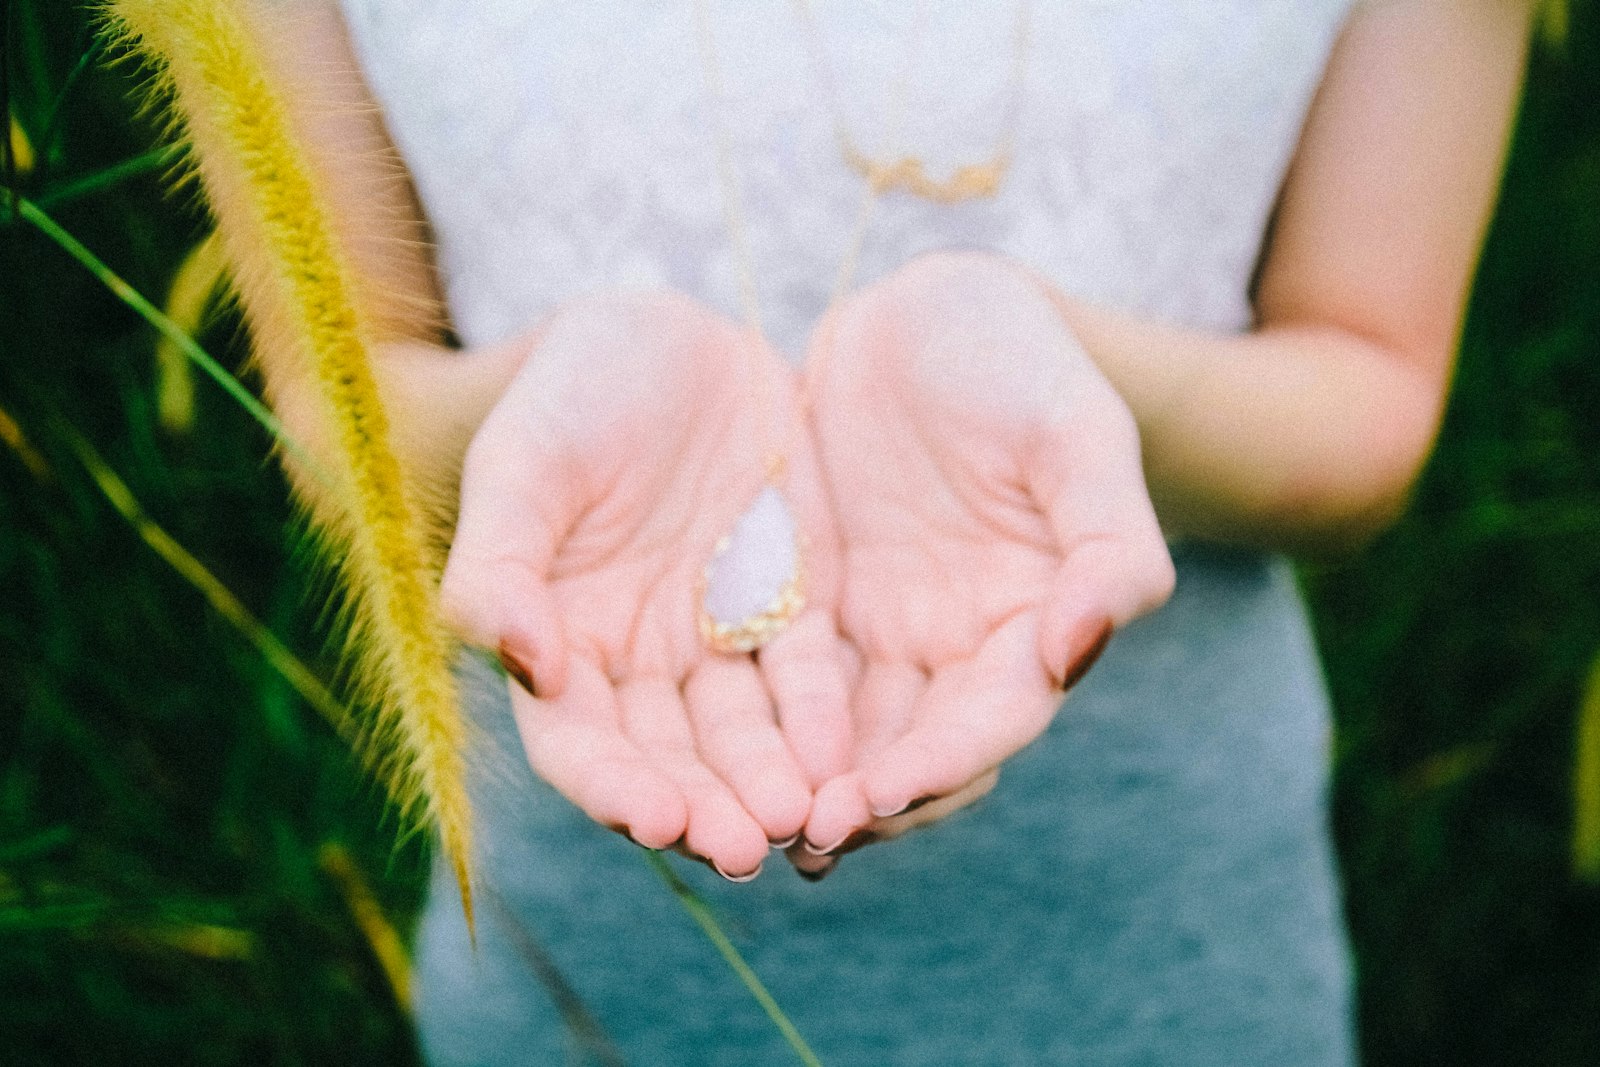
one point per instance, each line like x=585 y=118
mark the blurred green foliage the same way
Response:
x=1458 y=647
x=167 y=801
x=164 y=794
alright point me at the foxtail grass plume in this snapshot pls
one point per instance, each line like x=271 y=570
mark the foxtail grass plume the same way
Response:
x=309 y=312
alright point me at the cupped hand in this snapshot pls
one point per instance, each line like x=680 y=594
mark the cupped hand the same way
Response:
x=996 y=530
x=632 y=439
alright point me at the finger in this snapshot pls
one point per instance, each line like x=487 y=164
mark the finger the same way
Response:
x=495 y=590
x=719 y=829
x=1089 y=481
x=812 y=866
x=502 y=605
x=918 y=815
x=809 y=865
x=807 y=670
x=576 y=744
x=975 y=714
x=884 y=703
x=737 y=736
x=883 y=706
x=838 y=811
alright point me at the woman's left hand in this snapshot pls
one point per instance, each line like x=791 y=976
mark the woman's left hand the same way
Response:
x=996 y=528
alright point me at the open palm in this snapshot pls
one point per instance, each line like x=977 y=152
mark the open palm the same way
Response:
x=987 y=487
x=592 y=497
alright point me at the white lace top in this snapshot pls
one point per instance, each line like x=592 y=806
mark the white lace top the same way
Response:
x=561 y=146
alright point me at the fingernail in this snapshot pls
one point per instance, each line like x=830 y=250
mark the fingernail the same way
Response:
x=817 y=850
x=515 y=668
x=622 y=828
x=739 y=878
x=1080 y=666
x=856 y=840
x=786 y=842
x=820 y=873
x=906 y=809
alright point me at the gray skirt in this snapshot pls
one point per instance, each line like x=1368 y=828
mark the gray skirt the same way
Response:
x=1151 y=883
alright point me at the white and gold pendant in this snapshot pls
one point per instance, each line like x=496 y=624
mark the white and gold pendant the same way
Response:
x=754 y=585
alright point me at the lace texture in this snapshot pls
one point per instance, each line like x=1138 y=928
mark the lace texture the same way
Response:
x=568 y=145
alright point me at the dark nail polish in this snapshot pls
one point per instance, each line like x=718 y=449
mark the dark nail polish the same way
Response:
x=907 y=809
x=1080 y=667
x=819 y=874
x=622 y=828
x=859 y=839
x=517 y=671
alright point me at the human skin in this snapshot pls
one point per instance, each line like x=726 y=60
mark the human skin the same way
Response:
x=1304 y=432
x=986 y=484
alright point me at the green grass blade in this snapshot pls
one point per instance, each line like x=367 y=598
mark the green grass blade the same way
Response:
x=144 y=163
x=172 y=332
x=700 y=912
x=51 y=129
x=278 y=655
x=1586 y=783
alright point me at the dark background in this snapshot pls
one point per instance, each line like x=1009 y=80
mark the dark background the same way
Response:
x=187 y=851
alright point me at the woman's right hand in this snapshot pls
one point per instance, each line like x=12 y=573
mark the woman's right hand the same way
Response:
x=592 y=497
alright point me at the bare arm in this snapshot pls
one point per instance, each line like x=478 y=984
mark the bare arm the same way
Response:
x=1308 y=431
x=602 y=473
x=435 y=397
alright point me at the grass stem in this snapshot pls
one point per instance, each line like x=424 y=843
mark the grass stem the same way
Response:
x=700 y=912
x=278 y=655
x=172 y=332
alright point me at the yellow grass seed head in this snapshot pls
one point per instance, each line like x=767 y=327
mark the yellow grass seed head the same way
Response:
x=302 y=299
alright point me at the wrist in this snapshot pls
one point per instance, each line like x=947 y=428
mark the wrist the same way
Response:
x=437 y=397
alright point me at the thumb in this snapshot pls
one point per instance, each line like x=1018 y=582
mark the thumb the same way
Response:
x=1089 y=482
x=496 y=589
x=1101 y=586
x=504 y=606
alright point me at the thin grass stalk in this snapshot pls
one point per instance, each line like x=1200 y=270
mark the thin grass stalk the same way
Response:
x=1586 y=783
x=382 y=938
x=701 y=913
x=297 y=286
x=1555 y=22
x=12 y=436
x=150 y=162
x=575 y=1014
x=174 y=334
x=277 y=655
x=20 y=161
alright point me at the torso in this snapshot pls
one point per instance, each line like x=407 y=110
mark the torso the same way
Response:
x=569 y=145
x=1151 y=880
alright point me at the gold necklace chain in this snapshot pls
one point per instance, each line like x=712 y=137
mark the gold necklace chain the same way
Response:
x=770 y=511
x=732 y=193
x=971 y=181
x=754 y=631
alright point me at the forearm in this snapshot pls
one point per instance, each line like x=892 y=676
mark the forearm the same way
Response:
x=1292 y=437
x=1308 y=431
x=433 y=398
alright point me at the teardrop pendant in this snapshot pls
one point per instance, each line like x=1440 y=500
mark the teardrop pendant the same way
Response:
x=754 y=584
